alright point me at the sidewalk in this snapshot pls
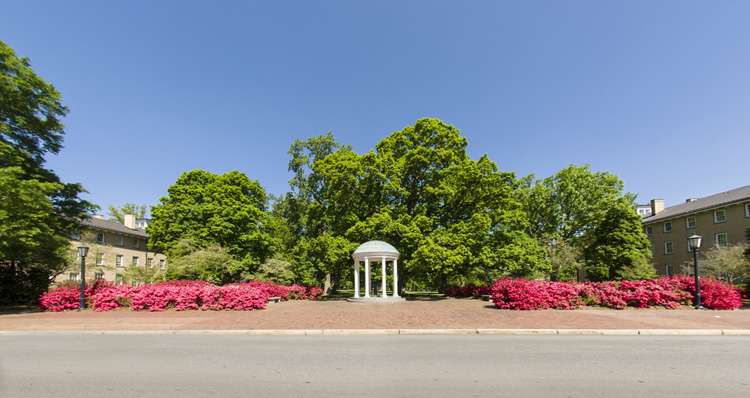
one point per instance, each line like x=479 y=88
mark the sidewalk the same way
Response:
x=414 y=316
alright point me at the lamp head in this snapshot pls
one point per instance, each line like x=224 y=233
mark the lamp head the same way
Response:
x=695 y=241
x=83 y=250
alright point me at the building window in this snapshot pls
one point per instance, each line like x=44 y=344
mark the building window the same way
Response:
x=149 y=260
x=136 y=243
x=720 y=216
x=721 y=240
x=100 y=237
x=99 y=258
x=118 y=279
x=73 y=276
x=649 y=230
x=118 y=260
x=162 y=263
x=668 y=247
x=667 y=227
x=690 y=222
x=669 y=270
x=747 y=236
x=98 y=276
x=120 y=241
x=747 y=209
x=134 y=262
x=75 y=235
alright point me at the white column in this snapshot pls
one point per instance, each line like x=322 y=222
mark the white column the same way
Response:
x=395 y=278
x=367 y=277
x=356 y=278
x=383 y=263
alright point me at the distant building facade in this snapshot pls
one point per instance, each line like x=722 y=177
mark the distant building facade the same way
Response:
x=112 y=248
x=722 y=219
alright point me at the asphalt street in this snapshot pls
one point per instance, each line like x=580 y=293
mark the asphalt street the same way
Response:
x=83 y=365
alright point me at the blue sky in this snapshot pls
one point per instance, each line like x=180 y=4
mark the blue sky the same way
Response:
x=657 y=92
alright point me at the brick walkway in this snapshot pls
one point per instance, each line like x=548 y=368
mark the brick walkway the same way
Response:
x=339 y=314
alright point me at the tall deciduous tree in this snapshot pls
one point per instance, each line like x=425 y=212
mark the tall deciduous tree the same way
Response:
x=118 y=213
x=447 y=214
x=618 y=248
x=570 y=203
x=36 y=205
x=227 y=210
x=310 y=210
x=564 y=210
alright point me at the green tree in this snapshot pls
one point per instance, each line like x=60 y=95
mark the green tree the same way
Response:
x=564 y=210
x=33 y=252
x=448 y=215
x=227 y=210
x=310 y=211
x=618 y=247
x=36 y=206
x=118 y=213
x=571 y=203
x=565 y=260
x=204 y=262
x=277 y=270
x=727 y=262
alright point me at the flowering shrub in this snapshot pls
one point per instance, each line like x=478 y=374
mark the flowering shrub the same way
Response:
x=468 y=291
x=668 y=292
x=522 y=294
x=68 y=296
x=177 y=295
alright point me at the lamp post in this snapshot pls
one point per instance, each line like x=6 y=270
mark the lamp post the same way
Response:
x=695 y=243
x=83 y=250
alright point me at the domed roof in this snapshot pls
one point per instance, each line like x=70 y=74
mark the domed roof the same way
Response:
x=375 y=247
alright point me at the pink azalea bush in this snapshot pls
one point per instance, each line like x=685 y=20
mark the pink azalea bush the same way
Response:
x=522 y=294
x=177 y=295
x=667 y=292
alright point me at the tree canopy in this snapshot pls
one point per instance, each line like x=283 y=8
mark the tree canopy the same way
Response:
x=118 y=213
x=618 y=249
x=448 y=215
x=228 y=210
x=36 y=208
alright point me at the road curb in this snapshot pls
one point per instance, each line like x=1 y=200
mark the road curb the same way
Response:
x=375 y=332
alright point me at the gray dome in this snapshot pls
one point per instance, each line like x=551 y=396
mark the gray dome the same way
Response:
x=375 y=247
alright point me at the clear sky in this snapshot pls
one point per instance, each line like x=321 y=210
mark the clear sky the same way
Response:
x=657 y=92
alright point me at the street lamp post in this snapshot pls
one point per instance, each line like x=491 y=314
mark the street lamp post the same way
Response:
x=83 y=250
x=695 y=243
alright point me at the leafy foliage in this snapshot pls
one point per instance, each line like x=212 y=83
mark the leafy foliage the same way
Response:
x=211 y=212
x=448 y=215
x=584 y=219
x=35 y=206
x=727 y=263
x=618 y=247
x=118 y=213
x=210 y=263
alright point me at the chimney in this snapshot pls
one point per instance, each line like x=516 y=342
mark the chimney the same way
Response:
x=657 y=206
x=129 y=221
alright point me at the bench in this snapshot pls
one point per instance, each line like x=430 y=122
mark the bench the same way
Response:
x=274 y=299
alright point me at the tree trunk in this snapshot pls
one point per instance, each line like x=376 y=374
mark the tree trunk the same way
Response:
x=327 y=285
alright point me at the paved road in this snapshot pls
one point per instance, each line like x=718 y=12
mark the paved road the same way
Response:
x=80 y=365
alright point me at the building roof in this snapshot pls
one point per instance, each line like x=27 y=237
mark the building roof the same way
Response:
x=697 y=205
x=113 y=226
